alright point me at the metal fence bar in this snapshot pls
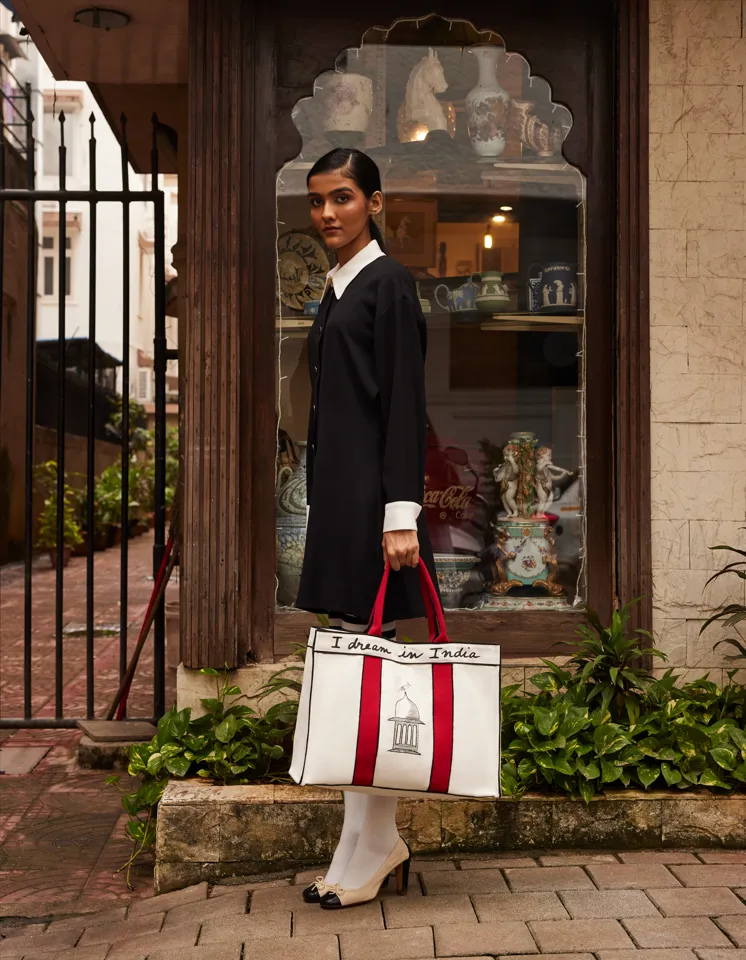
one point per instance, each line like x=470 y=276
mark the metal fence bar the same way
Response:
x=124 y=566
x=37 y=723
x=61 y=394
x=159 y=362
x=2 y=254
x=93 y=196
x=90 y=514
x=101 y=195
x=30 y=406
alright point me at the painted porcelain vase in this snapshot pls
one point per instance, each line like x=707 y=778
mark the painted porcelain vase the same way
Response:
x=460 y=300
x=291 y=528
x=488 y=105
x=493 y=296
x=454 y=572
x=348 y=103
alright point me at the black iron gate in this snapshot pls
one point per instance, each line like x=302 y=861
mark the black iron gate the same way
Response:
x=29 y=196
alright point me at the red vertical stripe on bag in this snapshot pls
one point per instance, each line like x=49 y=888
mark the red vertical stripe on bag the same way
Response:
x=440 y=777
x=369 y=723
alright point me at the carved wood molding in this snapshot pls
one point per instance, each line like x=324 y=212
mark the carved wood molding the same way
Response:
x=634 y=576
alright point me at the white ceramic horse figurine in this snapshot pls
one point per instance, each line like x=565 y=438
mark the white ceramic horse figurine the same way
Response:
x=421 y=110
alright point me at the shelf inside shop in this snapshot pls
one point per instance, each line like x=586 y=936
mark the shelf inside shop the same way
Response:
x=505 y=322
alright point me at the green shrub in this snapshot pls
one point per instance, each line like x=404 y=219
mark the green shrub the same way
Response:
x=228 y=744
x=46 y=474
x=604 y=720
x=732 y=613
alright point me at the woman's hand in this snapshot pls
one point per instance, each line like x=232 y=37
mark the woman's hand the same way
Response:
x=401 y=548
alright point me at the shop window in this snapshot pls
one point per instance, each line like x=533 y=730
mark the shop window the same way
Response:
x=489 y=217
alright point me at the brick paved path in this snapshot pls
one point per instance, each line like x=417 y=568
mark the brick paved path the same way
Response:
x=106 y=611
x=666 y=906
x=62 y=835
x=61 y=828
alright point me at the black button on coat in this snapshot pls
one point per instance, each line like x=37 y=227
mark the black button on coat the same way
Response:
x=366 y=442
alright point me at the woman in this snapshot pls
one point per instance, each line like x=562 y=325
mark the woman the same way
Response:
x=366 y=470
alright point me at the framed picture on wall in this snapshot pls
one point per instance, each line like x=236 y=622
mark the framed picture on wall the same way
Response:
x=410 y=232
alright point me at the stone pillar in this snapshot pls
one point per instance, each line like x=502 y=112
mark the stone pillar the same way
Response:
x=227 y=563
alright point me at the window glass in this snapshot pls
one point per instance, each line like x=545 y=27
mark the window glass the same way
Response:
x=50 y=268
x=48 y=276
x=482 y=208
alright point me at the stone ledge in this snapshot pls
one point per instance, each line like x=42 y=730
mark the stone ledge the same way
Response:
x=206 y=832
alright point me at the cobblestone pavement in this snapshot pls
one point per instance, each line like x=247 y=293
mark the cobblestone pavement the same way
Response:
x=106 y=648
x=61 y=828
x=570 y=906
x=62 y=835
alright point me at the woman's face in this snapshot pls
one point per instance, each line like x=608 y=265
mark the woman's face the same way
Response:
x=339 y=209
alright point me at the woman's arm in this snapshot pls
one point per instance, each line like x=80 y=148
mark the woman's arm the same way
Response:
x=400 y=363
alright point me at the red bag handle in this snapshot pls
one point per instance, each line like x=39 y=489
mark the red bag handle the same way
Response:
x=433 y=608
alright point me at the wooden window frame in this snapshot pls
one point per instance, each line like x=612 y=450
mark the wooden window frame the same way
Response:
x=625 y=556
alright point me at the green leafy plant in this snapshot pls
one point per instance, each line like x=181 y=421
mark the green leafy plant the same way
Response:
x=108 y=494
x=585 y=731
x=229 y=744
x=607 y=662
x=147 y=496
x=46 y=474
x=731 y=614
x=138 y=432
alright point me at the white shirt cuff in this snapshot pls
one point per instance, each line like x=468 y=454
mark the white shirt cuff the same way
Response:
x=401 y=515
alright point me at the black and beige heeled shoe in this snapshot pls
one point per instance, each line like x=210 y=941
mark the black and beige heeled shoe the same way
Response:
x=398 y=860
x=316 y=890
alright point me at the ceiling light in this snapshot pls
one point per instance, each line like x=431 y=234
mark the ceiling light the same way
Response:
x=102 y=19
x=506 y=209
x=498 y=218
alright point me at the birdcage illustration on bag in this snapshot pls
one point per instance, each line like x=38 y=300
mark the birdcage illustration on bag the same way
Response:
x=406 y=722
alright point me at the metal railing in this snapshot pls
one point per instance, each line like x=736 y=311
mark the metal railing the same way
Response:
x=30 y=196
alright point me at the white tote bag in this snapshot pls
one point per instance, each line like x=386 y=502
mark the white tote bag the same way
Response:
x=378 y=716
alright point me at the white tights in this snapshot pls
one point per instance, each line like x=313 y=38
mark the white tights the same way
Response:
x=369 y=832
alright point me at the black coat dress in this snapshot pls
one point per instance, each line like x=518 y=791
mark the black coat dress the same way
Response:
x=366 y=442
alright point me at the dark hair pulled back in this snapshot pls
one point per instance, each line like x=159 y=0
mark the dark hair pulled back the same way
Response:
x=358 y=167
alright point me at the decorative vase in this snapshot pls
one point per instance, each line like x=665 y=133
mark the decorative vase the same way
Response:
x=454 y=571
x=348 y=103
x=525 y=556
x=460 y=300
x=558 y=289
x=493 y=296
x=291 y=528
x=488 y=105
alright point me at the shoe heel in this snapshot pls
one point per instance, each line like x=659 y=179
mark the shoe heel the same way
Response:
x=402 y=877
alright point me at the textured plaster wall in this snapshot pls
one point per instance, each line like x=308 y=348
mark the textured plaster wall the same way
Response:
x=698 y=336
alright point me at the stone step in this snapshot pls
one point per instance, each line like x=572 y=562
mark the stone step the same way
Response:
x=104 y=743
x=208 y=832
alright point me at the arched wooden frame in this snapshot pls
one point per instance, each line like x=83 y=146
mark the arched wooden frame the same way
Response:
x=249 y=64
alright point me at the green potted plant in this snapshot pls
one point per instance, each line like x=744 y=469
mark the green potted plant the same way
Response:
x=139 y=495
x=109 y=495
x=47 y=476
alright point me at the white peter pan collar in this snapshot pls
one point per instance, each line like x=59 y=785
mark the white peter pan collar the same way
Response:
x=341 y=277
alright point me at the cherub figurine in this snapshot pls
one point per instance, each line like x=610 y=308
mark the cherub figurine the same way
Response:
x=507 y=476
x=546 y=474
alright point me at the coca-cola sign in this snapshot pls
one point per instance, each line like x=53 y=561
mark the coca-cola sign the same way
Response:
x=457 y=499
x=452 y=498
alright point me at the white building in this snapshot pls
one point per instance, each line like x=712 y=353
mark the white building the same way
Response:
x=49 y=99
